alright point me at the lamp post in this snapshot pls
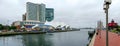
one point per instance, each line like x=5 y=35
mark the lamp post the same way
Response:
x=106 y=7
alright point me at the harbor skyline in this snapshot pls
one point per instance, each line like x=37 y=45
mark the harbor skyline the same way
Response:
x=60 y=22
x=76 y=13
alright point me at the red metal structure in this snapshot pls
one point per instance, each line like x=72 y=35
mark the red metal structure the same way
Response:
x=112 y=25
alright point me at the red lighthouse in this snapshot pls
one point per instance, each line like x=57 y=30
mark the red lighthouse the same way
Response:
x=112 y=24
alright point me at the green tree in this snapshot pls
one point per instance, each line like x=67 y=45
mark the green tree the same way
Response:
x=1 y=27
x=13 y=27
x=6 y=27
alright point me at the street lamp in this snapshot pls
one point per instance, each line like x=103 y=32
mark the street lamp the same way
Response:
x=106 y=7
x=108 y=1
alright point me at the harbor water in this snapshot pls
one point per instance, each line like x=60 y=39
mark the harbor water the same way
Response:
x=71 y=38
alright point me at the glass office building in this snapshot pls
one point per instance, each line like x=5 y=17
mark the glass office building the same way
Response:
x=36 y=12
x=42 y=12
x=31 y=11
x=49 y=14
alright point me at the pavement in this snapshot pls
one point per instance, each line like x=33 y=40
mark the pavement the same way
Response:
x=100 y=39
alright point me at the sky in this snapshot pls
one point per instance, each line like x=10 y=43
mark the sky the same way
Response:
x=76 y=13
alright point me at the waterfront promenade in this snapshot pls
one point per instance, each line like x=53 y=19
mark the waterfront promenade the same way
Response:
x=100 y=39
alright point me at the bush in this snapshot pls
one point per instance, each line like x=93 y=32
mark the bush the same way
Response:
x=115 y=31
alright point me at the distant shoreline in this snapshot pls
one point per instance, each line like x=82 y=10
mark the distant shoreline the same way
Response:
x=23 y=33
x=19 y=33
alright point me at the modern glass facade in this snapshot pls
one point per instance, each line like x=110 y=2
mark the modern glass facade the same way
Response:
x=49 y=14
x=36 y=14
x=42 y=12
x=31 y=11
x=39 y=12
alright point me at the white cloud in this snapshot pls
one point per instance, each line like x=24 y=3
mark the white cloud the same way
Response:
x=78 y=13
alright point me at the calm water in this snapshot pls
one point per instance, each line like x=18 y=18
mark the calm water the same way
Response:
x=73 y=38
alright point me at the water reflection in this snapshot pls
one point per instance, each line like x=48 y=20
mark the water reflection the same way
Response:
x=73 y=38
x=11 y=41
x=37 y=40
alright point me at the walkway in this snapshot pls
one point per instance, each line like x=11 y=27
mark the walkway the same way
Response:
x=100 y=39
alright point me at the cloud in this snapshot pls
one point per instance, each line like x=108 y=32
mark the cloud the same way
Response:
x=77 y=13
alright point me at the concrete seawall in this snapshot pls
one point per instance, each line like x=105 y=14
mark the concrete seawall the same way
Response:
x=92 y=40
x=22 y=33
x=19 y=33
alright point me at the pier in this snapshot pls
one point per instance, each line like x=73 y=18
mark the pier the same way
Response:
x=100 y=39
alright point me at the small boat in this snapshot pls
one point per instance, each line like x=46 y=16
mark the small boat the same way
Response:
x=91 y=33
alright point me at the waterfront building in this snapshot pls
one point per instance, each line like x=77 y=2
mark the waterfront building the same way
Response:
x=35 y=12
x=24 y=17
x=31 y=10
x=27 y=24
x=49 y=14
x=42 y=12
x=42 y=27
x=39 y=12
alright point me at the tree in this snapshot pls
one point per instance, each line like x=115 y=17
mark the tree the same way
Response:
x=13 y=27
x=6 y=27
x=1 y=27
